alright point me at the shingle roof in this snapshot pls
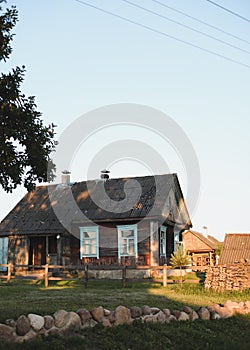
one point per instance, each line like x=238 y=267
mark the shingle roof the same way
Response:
x=35 y=212
x=236 y=247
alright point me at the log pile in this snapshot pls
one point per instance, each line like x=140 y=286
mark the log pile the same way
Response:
x=228 y=277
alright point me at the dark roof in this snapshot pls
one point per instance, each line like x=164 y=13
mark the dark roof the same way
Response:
x=210 y=241
x=235 y=248
x=35 y=213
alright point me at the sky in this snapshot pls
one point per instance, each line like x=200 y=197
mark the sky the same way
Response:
x=79 y=58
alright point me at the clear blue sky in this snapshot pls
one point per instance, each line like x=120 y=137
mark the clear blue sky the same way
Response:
x=78 y=58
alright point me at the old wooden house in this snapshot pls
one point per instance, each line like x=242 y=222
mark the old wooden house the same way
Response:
x=201 y=247
x=235 y=249
x=99 y=222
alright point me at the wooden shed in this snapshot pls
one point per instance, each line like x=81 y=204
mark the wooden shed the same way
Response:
x=68 y=224
x=201 y=247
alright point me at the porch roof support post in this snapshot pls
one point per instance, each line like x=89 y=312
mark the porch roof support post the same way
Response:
x=47 y=247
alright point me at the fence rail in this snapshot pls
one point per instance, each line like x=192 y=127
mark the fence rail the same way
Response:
x=85 y=267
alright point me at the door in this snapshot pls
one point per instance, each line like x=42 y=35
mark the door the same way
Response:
x=37 y=251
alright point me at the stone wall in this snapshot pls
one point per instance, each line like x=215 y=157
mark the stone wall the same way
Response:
x=228 y=277
x=64 y=323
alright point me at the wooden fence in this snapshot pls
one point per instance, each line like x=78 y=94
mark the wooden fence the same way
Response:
x=85 y=267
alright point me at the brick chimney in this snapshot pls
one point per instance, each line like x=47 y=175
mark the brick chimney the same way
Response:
x=65 y=178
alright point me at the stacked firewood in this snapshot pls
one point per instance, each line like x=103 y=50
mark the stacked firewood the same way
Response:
x=228 y=277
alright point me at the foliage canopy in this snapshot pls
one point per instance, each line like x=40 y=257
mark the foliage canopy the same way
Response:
x=25 y=142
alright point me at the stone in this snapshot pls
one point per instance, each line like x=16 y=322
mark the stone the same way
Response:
x=171 y=318
x=42 y=331
x=31 y=335
x=193 y=316
x=22 y=325
x=241 y=304
x=247 y=307
x=160 y=317
x=146 y=310
x=6 y=333
x=84 y=315
x=154 y=310
x=149 y=319
x=36 y=321
x=73 y=324
x=106 y=322
x=204 y=313
x=183 y=316
x=98 y=314
x=187 y=309
x=241 y=309
x=136 y=311
x=233 y=306
x=176 y=313
x=92 y=323
x=214 y=316
x=111 y=316
x=48 y=322
x=167 y=312
x=61 y=318
x=247 y=304
x=106 y=312
x=222 y=311
x=10 y=322
x=53 y=331
x=122 y=316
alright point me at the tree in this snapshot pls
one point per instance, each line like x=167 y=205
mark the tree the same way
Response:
x=180 y=259
x=25 y=142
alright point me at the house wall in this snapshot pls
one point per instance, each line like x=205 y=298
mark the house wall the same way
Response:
x=66 y=249
x=154 y=243
x=18 y=250
x=194 y=244
x=108 y=245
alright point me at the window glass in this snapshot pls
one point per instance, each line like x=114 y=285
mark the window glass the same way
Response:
x=127 y=240
x=162 y=241
x=89 y=242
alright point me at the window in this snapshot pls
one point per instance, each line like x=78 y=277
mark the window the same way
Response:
x=3 y=252
x=163 y=241
x=179 y=245
x=127 y=240
x=177 y=241
x=89 y=242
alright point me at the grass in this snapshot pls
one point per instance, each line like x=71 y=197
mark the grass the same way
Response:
x=23 y=297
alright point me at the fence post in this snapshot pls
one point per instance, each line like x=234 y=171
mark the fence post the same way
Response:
x=124 y=280
x=46 y=276
x=9 y=272
x=165 y=276
x=86 y=276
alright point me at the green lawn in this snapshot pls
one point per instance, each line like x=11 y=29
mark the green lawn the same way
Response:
x=23 y=297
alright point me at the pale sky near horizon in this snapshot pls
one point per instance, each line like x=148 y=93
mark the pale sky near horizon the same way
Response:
x=79 y=58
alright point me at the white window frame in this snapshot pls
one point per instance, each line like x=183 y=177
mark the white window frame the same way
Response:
x=176 y=239
x=121 y=228
x=163 y=242
x=82 y=239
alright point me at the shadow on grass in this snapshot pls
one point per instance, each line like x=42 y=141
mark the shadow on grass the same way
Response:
x=31 y=297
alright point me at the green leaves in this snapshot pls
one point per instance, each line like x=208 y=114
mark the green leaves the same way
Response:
x=25 y=142
x=7 y=22
x=180 y=258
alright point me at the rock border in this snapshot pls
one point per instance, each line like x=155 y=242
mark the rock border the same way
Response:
x=64 y=323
